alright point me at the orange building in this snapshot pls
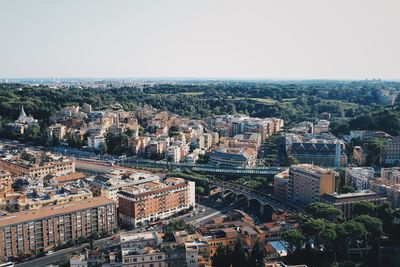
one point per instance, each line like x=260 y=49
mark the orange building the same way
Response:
x=155 y=200
x=308 y=182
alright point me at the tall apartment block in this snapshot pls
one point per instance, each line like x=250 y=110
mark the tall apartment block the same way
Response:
x=308 y=182
x=41 y=230
x=155 y=200
x=390 y=151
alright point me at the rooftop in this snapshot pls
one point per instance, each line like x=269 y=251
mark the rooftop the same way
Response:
x=29 y=216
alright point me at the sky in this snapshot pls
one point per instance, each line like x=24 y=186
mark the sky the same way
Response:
x=239 y=39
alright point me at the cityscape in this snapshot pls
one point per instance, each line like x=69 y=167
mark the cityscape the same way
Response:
x=124 y=143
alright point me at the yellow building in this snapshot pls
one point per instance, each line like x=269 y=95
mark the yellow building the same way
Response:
x=308 y=182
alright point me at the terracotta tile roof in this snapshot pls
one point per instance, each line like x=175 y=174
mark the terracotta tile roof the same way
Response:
x=70 y=177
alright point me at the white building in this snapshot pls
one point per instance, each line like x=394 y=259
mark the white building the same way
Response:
x=174 y=154
x=359 y=177
x=96 y=141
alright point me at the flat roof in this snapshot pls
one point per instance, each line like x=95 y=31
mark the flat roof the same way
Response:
x=129 y=237
x=355 y=194
x=33 y=215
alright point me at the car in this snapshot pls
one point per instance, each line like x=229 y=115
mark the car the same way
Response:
x=49 y=253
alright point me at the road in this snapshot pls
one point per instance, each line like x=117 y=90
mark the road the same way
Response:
x=205 y=210
x=57 y=255
x=196 y=219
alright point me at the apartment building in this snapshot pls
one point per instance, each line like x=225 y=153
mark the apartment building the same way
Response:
x=388 y=189
x=197 y=253
x=391 y=174
x=38 y=165
x=155 y=200
x=234 y=157
x=56 y=132
x=308 y=182
x=35 y=231
x=110 y=184
x=142 y=249
x=359 y=177
x=281 y=185
x=50 y=197
x=322 y=126
x=390 y=151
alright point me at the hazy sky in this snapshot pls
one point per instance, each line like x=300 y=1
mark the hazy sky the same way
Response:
x=350 y=39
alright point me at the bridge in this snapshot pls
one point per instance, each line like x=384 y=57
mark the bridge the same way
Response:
x=264 y=203
x=207 y=168
x=237 y=171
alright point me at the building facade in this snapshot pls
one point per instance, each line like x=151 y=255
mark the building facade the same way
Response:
x=345 y=202
x=390 y=151
x=35 y=231
x=155 y=200
x=308 y=182
x=359 y=177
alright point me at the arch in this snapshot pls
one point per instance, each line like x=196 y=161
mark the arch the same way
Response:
x=242 y=198
x=256 y=206
x=268 y=211
x=229 y=194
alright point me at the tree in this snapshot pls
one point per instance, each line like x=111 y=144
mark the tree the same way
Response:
x=257 y=256
x=199 y=190
x=325 y=211
x=32 y=133
x=347 y=189
x=313 y=228
x=239 y=257
x=385 y=213
x=295 y=239
x=372 y=225
x=173 y=225
x=64 y=261
x=354 y=230
x=328 y=237
x=220 y=258
x=364 y=208
x=103 y=148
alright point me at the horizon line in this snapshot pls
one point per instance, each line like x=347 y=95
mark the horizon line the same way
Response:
x=195 y=78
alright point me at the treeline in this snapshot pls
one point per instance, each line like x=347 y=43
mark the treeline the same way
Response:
x=327 y=237
x=353 y=104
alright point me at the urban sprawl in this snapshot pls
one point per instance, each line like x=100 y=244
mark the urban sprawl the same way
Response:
x=147 y=187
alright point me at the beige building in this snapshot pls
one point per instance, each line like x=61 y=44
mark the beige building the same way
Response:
x=308 y=182
x=57 y=131
x=39 y=166
x=388 y=189
x=74 y=196
x=141 y=249
x=35 y=231
x=391 y=174
x=110 y=184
